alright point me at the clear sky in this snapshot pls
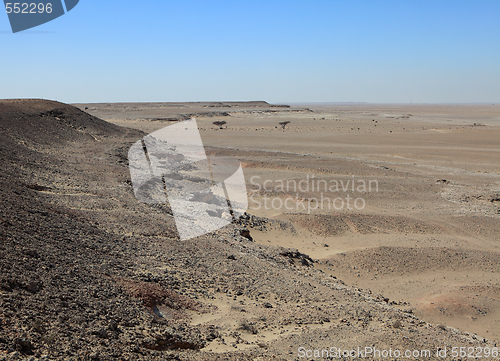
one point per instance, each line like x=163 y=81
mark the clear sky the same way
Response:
x=279 y=51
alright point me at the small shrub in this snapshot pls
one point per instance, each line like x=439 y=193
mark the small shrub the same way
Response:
x=397 y=324
x=220 y=123
x=249 y=327
x=283 y=124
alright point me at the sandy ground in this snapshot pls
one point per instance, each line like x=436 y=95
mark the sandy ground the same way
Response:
x=426 y=235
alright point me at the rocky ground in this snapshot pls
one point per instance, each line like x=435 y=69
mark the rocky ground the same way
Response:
x=89 y=273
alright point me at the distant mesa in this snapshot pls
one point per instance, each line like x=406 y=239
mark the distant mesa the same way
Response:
x=245 y=104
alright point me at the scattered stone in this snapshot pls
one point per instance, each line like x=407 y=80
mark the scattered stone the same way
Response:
x=246 y=233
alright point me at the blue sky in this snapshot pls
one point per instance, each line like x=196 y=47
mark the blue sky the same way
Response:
x=279 y=51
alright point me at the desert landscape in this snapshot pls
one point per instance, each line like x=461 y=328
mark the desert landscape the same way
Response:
x=368 y=226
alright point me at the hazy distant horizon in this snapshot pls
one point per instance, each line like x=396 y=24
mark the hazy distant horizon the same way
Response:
x=287 y=103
